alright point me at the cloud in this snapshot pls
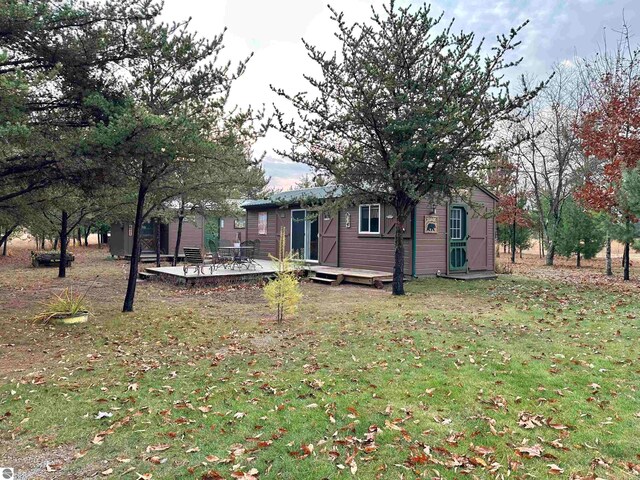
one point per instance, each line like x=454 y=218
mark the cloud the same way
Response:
x=283 y=173
x=272 y=30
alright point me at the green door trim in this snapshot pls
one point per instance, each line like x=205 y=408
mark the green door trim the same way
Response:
x=458 y=259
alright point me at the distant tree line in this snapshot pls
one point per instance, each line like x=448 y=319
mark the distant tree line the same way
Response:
x=572 y=184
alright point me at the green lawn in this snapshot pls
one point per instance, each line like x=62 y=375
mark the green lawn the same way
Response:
x=454 y=378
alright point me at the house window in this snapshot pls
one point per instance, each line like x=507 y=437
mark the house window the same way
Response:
x=262 y=223
x=456 y=224
x=222 y=223
x=369 y=219
x=239 y=223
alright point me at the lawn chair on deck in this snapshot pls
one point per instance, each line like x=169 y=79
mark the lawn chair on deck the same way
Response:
x=193 y=258
x=217 y=258
x=225 y=255
x=248 y=254
x=255 y=254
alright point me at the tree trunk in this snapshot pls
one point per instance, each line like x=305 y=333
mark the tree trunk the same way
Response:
x=513 y=242
x=398 y=260
x=62 y=268
x=55 y=243
x=626 y=260
x=5 y=239
x=135 y=252
x=156 y=232
x=87 y=232
x=609 y=269
x=540 y=240
x=578 y=260
x=80 y=236
x=176 y=250
x=42 y=241
x=551 y=253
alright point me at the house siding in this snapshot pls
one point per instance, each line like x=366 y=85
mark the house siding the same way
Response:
x=376 y=251
x=431 y=248
x=373 y=252
x=275 y=219
x=120 y=243
x=192 y=234
x=229 y=233
x=481 y=243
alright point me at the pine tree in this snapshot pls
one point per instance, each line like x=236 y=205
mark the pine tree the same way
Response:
x=406 y=110
x=580 y=233
x=283 y=293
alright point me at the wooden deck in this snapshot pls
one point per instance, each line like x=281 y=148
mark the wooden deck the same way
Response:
x=337 y=275
x=151 y=257
x=488 y=275
x=208 y=276
x=265 y=270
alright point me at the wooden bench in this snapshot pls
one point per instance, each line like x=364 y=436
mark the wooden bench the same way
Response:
x=49 y=259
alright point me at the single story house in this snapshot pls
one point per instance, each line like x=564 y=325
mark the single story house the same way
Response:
x=448 y=238
x=193 y=234
x=201 y=232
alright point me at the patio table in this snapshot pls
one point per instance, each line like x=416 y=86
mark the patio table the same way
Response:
x=242 y=255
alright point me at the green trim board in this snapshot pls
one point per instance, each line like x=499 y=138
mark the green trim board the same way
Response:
x=458 y=235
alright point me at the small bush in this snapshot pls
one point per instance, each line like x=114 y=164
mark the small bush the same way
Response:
x=504 y=268
x=283 y=293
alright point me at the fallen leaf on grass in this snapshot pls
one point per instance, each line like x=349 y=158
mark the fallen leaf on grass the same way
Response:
x=480 y=450
x=106 y=472
x=212 y=475
x=555 y=469
x=529 y=452
x=54 y=467
x=158 y=448
x=250 y=475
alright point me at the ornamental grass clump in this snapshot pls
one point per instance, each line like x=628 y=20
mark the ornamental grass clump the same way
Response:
x=66 y=304
x=283 y=293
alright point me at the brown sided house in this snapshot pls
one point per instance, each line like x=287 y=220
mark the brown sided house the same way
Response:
x=200 y=233
x=440 y=239
x=194 y=234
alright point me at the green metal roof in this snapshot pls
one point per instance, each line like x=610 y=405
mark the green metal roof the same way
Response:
x=295 y=196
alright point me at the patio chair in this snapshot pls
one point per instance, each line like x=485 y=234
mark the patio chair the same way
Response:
x=256 y=254
x=240 y=257
x=225 y=255
x=193 y=258
x=216 y=257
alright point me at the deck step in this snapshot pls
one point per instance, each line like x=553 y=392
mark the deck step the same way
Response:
x=146 y=275
x=333 y=280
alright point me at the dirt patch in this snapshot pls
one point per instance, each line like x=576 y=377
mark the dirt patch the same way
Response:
x=31 y=463
x=591 y=273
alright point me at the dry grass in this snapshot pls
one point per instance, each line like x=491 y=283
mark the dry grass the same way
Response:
x=454 y=378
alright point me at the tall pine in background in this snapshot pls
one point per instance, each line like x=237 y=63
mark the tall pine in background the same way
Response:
x=406 y=109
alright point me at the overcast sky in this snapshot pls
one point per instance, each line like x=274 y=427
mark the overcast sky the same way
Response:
x=272 y=29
